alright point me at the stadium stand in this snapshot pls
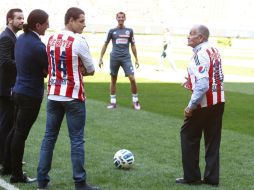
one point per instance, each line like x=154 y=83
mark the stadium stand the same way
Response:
x=229 y=18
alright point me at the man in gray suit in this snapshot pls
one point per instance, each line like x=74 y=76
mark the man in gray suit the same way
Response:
x=14 y=22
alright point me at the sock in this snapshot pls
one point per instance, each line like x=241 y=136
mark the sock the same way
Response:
x=113 y=99
x=134 y=97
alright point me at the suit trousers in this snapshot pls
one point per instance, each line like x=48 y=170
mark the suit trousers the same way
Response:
x=27 y=109
x=6 y=121
x=208 y=121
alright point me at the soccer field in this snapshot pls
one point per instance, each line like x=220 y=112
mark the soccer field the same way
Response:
x=152 y=133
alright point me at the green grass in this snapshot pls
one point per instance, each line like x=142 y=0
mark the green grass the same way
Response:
x=152 y=134
x=149 y=49
x=172 y=98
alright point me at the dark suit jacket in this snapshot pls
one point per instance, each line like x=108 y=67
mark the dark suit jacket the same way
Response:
x=31 y=62
x=7 y=62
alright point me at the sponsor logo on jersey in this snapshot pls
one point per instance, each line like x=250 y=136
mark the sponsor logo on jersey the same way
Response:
x=121 y=41
x=124 y=35
x=59 y=82
x=59 y=43
x=201 y=69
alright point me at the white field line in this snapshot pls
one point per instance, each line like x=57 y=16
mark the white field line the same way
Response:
x=7 y=186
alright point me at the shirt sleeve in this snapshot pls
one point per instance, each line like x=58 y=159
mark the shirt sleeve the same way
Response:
x=109 y=36
x=40 y=50
x=201 y=87
x=85 y=55
x=132 y=40
x=5 y=52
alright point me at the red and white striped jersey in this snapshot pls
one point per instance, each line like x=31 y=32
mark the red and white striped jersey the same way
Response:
x=66 y=52
x=206 y=62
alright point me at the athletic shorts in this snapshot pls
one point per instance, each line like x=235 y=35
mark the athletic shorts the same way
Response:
x=124 y=62
x=164 y=54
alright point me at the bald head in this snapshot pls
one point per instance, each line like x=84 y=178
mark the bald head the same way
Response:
x=198 y=34
x=203 y=30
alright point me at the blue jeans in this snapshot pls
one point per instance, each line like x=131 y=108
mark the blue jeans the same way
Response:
x=76 y=116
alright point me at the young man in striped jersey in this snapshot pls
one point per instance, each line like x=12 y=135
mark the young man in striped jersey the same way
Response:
x=120 y=56
x=69 y=60
x=204 y=111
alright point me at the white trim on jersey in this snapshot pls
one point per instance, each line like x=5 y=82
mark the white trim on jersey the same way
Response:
x=59 y=98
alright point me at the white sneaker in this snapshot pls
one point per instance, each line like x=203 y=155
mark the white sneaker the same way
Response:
x=136 y=105
x=111 y=106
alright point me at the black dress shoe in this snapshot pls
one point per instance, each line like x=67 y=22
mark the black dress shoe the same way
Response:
x=215 y=184
x=43 y=185
x=22 y=179
x=84 y=186
x=183 y=181
x=5 y=171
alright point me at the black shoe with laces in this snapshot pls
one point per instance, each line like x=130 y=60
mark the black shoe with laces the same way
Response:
x=183 y=181
x=85 y=186
x=22 y=179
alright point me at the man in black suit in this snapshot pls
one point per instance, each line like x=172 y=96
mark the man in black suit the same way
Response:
x=14 y=22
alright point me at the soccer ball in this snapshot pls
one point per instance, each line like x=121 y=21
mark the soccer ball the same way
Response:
x=123 y=159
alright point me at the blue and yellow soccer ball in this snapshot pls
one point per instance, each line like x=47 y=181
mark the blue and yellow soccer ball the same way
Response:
x=123 y=159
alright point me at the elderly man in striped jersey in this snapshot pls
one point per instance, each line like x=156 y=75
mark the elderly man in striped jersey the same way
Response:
x=204 y=111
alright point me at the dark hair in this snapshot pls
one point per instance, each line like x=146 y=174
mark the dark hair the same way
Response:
x=121 y=13
x=74 y=13
x=36 y=16
x=10 y=14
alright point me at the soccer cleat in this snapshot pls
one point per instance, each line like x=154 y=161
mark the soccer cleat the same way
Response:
x=136 y=105
x=111 y=106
